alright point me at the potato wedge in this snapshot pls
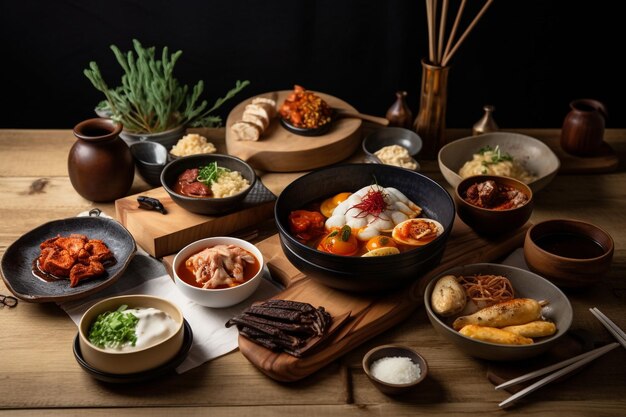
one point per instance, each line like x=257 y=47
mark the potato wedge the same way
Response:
x=448 y=297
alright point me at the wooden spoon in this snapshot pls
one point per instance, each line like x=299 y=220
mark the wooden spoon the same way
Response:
x=340 y=113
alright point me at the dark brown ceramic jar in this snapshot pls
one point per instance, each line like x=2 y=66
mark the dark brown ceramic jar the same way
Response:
x=100 y=165
x=583 y=127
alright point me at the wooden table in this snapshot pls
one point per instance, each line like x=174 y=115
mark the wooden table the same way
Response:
x=38 y=373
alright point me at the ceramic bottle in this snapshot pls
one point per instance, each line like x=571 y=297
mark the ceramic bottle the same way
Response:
x=99 y=164
x=399 y=114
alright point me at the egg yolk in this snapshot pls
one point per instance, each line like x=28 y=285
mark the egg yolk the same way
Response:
x=378 y=242
x=334 y=243
x=330 y=204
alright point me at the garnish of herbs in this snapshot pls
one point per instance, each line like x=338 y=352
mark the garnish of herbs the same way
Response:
x=210 y=173
x=113 y=329
x=498 y=156
x=373 y=203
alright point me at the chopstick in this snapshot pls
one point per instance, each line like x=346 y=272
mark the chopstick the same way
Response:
x=531 y=375
x=568 y=365
x=610 y=326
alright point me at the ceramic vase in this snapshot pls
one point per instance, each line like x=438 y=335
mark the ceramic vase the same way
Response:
x=99 y=164
x=583 y=128
x=430 y=123
x=399 y=114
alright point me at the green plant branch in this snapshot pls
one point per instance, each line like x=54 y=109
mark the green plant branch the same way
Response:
x=150 y=99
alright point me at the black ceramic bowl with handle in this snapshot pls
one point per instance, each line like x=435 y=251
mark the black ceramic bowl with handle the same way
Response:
x=364 y=273
x=208 y=205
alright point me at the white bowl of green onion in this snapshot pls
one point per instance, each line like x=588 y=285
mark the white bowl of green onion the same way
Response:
x=131 y=333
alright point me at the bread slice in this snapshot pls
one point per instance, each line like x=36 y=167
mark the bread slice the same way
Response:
x=268 y=101
x=261 y=109
x=246 y=131
x=257 y=119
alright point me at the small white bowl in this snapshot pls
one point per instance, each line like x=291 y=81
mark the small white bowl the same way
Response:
x=222 y=297
x=129 y=362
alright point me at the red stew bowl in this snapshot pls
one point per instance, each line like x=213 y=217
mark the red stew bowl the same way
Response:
x=489 y=221
x=364 y=274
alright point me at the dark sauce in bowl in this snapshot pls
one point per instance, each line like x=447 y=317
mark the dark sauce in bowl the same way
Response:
x=570 y=245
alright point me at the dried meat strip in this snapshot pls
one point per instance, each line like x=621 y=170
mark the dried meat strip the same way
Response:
x=289 y=305
x=275 y=313
x=282 y=325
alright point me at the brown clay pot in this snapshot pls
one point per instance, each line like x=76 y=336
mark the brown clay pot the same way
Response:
x=583 y=128
x=100 y=165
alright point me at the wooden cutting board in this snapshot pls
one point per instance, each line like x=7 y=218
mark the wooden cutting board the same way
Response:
x=162 y=235
x=370 y=315
x=279 y=150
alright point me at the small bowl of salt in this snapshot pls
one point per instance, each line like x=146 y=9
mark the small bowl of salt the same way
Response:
x=394 y=369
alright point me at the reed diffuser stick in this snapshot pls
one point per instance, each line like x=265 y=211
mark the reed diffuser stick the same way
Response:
x=455 y=26
x=449 y=56
x=442 y=30
x=431 y=38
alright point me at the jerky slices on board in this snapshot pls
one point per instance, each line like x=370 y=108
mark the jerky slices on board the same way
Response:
x=283 y=325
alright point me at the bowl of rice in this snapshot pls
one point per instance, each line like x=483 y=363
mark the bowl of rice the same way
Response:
x=191 y=144
x=500 y=153
x=209 y=184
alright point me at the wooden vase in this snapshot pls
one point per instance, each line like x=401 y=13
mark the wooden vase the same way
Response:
x=430 y=123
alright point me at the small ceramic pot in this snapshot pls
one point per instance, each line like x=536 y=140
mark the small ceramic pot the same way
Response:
x=100 y=165
x=583 y=128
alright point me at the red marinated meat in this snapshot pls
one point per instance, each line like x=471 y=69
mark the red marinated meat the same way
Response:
x=195 y=189
x=190 y=175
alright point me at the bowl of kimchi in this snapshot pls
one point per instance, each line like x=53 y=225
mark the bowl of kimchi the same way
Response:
x=218 y=272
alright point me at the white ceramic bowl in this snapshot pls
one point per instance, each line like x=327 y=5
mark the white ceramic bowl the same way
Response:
x=119 y=362
x=533 y=154
x=223 y=297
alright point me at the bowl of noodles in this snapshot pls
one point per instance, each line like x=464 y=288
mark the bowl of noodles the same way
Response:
x=500 y=153
x=493 y=288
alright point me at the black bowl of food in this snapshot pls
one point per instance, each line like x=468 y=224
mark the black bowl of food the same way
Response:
x=208 y=184
x=364 y=227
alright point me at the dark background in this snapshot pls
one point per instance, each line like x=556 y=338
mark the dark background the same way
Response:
x=529 y=58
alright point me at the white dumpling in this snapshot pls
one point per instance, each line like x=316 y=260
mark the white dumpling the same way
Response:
x=356 y=222
x=335 y=221
x=368 y=233
x=383 y=221
x=398 y=217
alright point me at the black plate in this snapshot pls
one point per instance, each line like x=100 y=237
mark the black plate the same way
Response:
x=303 y=131
x=137 y=376
x=16 y=265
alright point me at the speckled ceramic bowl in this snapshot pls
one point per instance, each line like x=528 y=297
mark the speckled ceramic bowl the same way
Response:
x=533 y=154
x=526 y=285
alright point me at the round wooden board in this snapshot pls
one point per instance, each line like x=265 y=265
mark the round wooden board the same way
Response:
x=279 y=150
